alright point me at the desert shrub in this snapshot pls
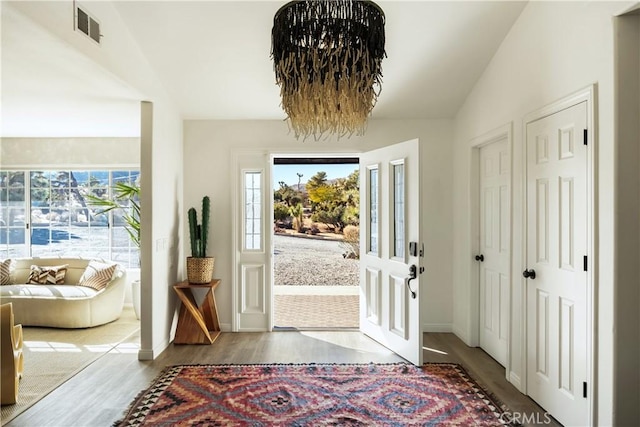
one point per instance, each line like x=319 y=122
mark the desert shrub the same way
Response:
x=351 y=233
x=313 y=230
x=351 y=242
x=280 y=212
x=329 y=213
x=351 y=215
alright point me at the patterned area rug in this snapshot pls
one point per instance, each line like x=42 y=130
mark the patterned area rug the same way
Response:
x=314 y=394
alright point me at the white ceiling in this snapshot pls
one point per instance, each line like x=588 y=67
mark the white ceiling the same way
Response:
x=52 y=90
x=213 y=57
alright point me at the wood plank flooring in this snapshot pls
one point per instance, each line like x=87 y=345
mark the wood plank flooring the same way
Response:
x=99 y=395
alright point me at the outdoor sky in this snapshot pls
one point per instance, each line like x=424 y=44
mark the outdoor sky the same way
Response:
x=288 y=173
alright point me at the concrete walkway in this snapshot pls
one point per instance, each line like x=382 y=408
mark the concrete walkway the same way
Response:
x=315 y=286
x=304 y=311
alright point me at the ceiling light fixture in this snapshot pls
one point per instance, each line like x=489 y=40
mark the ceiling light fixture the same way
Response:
x=327 y=58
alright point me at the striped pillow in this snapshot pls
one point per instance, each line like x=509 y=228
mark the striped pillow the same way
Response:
x=97 y=275
x=5 y=271
x=47 y=275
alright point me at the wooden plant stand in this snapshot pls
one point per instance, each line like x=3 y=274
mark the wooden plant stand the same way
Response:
x=197 y=324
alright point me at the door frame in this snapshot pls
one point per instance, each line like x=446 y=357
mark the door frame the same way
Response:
x=236 y=220
x=272 y=154
x=503 y=132
x=588 y=95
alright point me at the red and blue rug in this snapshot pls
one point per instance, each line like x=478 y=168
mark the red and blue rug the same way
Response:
x=312 y=395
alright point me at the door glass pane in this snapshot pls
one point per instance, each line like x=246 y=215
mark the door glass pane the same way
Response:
x=373 y=210
x=398 y=210
x=252 y=211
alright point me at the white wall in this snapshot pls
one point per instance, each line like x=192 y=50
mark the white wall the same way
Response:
x=72 y=153
x=161 y=150
x=627 y=303
x=162 y=213
x=208 y=148
x=553 y=50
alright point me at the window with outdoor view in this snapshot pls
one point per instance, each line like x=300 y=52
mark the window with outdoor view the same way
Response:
x=49 y=213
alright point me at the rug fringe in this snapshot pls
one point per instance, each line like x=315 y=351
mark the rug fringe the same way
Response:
x=127 y=413
x=485 y=391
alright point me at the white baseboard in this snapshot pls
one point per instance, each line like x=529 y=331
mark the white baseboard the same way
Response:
x=225 y=327
x=460 y=334
x=146 y=354
x=437 y=327
x=515 y=380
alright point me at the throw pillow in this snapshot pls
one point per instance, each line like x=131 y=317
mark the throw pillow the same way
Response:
x=97 y=275
x=5 y=271
x=47 y=275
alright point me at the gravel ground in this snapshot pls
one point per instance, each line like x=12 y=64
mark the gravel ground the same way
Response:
x=311 y=262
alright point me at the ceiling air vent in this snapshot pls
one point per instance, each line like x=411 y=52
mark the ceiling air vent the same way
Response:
x=87 y=24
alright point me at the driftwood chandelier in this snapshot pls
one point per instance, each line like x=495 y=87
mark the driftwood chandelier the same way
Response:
x=327 y=58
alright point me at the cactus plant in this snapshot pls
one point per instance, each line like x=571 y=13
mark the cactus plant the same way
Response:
x=198 y=232
x=206 y=208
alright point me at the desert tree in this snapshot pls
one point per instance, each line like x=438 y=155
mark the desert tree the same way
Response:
x=296 y=213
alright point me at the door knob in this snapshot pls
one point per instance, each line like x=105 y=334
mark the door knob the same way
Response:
x=480 y=258
x=529 y=274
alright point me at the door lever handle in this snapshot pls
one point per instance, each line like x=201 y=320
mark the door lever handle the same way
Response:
x=413 y=273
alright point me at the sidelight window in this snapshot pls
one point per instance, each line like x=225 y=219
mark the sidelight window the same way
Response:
x=252 y=211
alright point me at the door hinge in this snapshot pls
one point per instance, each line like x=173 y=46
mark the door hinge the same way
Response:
x=584 y=389
x=584 y=263
x=585 y=133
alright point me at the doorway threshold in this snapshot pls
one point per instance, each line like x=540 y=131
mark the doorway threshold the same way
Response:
x=314 y=329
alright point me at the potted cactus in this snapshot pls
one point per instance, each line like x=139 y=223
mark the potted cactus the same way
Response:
x=199 y=265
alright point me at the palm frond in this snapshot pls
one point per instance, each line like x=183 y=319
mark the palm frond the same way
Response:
x=125 y=197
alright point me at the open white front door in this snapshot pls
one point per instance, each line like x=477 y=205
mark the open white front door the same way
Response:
x=390 y=308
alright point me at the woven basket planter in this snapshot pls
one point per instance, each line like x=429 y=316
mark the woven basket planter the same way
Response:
x=200 y=270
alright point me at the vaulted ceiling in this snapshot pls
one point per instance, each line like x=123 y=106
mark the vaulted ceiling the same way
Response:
x=213 y=57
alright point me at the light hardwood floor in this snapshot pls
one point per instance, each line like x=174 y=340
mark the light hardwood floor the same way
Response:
x=99 y=395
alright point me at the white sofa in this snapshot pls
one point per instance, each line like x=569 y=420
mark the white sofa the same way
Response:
x=62 y=306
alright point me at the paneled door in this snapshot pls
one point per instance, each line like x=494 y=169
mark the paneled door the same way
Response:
x=390 y=308
x=495 y=248
x=556 y=251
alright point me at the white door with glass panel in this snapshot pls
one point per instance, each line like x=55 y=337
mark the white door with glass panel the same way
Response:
x=390 y=249
x=252 y=276
x=494 y=256
x=557 y=284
